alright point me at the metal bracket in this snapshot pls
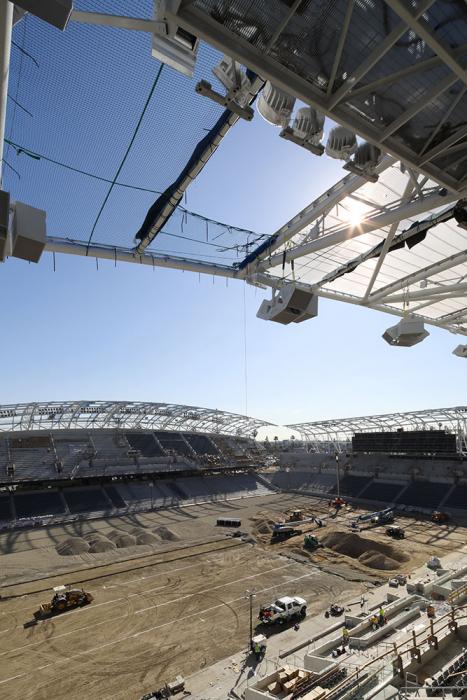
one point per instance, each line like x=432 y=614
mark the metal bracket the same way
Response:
x=352 y=168
x=289 y=135
x=205 y=88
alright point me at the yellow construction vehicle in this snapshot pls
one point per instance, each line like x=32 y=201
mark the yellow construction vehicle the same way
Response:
x=64 y=598
x=295 y=515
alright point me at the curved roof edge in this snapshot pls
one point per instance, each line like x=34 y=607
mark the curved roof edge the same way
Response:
x=124 y=415
x=454 y=419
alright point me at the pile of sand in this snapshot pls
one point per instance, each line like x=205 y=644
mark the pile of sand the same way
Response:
x=72 y=545
x=376 y=560
x=166 y=534
x=99 y=543
x=125 y=540
x=101 y=546
x=121 y=539
x=146 y=538
x=371 y=553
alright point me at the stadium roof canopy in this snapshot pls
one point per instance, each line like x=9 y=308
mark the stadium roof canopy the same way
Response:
x=393 y=72
x=124 y=415
x=342 y=429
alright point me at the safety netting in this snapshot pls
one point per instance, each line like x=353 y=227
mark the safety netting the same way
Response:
x=97 y=129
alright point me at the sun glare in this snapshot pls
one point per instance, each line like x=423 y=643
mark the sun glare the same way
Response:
x=355 y=213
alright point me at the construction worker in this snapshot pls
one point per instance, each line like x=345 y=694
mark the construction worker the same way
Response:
x=382 y=617
x=345 y=637
x=374 y=622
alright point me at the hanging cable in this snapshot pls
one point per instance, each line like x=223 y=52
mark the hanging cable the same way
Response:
x=130 y=145
x=245 y=365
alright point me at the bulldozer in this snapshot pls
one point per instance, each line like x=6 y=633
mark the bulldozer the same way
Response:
x=64 y=598
x=311 y=542
x=295 y=515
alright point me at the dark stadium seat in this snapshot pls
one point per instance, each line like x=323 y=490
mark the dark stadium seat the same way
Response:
x=351 y=485
x=5 y=507
x=30 y=505
x=176 y=489
x=423 y=494
x=383 y=491
x=458 y=498
x=175 y=443
x=145 y=443
x=114 y=496
x=201 y=444
x=83 y=500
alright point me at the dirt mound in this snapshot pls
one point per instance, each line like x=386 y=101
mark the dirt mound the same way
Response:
x=146 y=538
x=137 y=531
x=124 y=540
x=166 y=534
x=72 y=545
x=101 y=545
x=371 y=553
x=376 y=560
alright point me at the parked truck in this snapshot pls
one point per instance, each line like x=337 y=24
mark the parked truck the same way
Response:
x=283 y=610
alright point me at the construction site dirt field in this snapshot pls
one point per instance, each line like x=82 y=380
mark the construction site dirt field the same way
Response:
x=175 y=603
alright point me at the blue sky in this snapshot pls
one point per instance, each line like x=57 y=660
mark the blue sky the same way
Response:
x=133 y=333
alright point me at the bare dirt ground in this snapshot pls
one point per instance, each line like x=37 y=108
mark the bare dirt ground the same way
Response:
x=171 y=606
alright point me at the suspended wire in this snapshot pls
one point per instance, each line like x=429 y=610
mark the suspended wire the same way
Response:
x=130 y=145
x=245 y=362
x=23 y=51
x=40 y=156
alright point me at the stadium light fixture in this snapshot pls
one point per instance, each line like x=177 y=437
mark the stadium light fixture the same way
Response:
x=341 y=143
x=275 y=105
x=406 y=333
x=23 y=230
x=238 y=87
x=307 y=130
x=364 y=162
x=289 y=305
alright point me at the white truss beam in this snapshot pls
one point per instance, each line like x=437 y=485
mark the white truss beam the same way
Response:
x=208 y=29
x=277 y=283
x=448 y=291
x=340 y=45
x=320 y=206
x=124 y=415
x=422 y=29
x=120 y=22
x=403 y=211
x=394 y=76
x=375 y=56
x=423 y=274
x=342 y=429
x=448 y=113
x=114 y=254
x=428 y=97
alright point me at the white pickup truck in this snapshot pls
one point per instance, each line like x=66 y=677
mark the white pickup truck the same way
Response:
x=283 y=610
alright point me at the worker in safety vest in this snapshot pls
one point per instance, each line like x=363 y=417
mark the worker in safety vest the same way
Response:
x=382 y=616
x=345 y=636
